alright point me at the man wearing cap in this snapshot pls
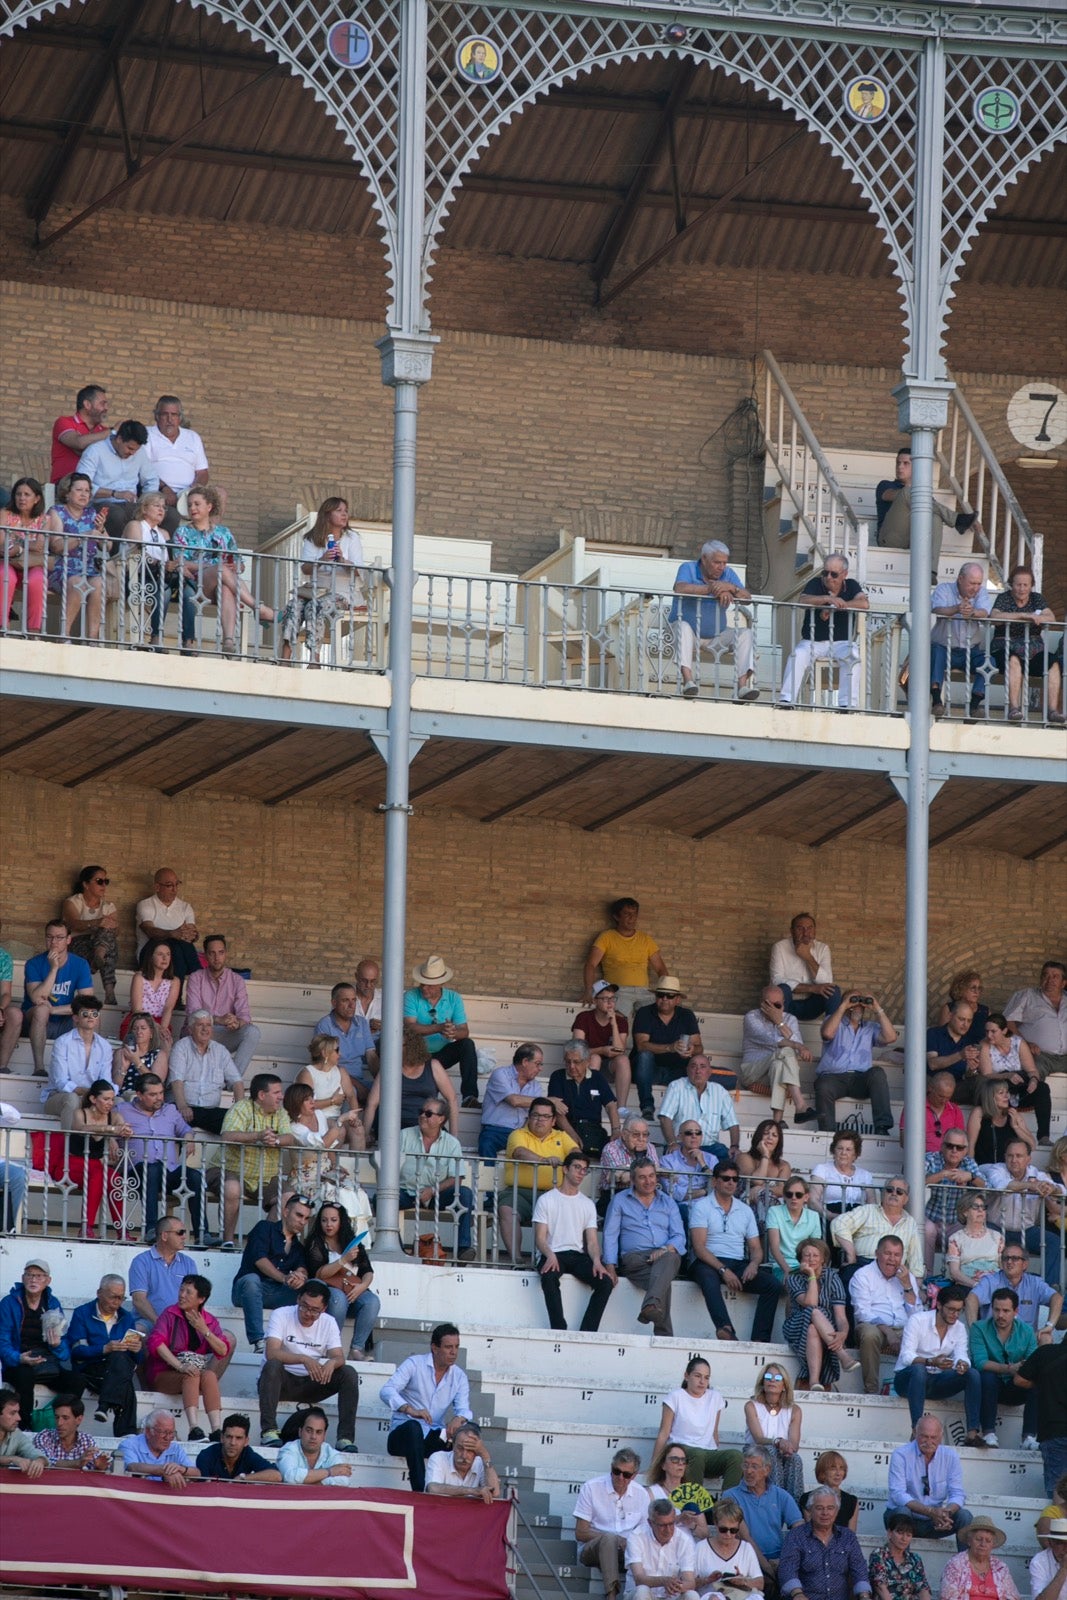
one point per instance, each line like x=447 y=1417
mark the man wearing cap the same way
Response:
x=624 y=955
x=438 y=1014
x=978 y=1540
x=666 y=1035
x=771 y=1052
x=1048 y=1569
x=607 y=1033
x=33 y=1340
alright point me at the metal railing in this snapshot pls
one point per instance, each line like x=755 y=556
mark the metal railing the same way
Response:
x=1025 y=657
x=825 y=521
x=976 y=479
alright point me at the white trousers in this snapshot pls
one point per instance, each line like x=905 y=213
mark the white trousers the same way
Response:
x=781 y=1066
x=739 y=640
x=843 y=651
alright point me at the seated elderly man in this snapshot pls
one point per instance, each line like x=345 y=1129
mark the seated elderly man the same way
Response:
x=18 y=1453
x=644 y=1240
x=1035 y=1295
x=509 y=1094
x=687 y=1170
x=926 y=1481
x=304 y=1361
x=535 y=1155
x=583 y=1097
x=695 y=1098
x=857 y=1232
x=942 y=1112
x=957 y=640
x=821 y=1560
x=608 y=1509
x=51 y=981
x=703 y=590
x=309 y=1459
x=618 y=1156
x=947 y=1050
x=221 y=991
x=80 y=1058
x=768 y=1511
x=827 y=633
x=163 y=915
x=431 y=1166
x=155 y=1453
x=466 y=1471
x=1017 y=1195
x=157 y=1274
x=439 y=1015
x=346 y=1023
x=1040 y=1017
x=33 y=1346
x=200 y=1069
x=884 y=1295
x=801 y=966
x=177 y=454
x=607 y=1033
x=67 y=1444
x=666 y=1036
x=155 y=1153
x=846 y=1068
x=105 y=1346
x=254 y=1131
x=232 y=1459
x=771 y=1052
x=661 y=1556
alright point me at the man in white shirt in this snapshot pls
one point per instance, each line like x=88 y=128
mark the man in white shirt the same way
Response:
x=935 y=1361
x=465 y=1471
x=695 y=1097
x=661 y=1557
x=1040 y=1017
x=177 y=454
x=884 y=1296
x=420 y=1394
x=79 y=1058
x=304 y=1361
x=565 y=1234
x=1048 y=1569
x=165 y=915
x=802 y=969
x=608 y=1509
x=369 y=993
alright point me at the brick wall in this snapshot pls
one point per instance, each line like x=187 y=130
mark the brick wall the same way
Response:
x=298 y=890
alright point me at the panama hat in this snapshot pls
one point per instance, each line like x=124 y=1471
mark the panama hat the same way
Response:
x=983 y=1525
x=668 y=986
x=432 y=971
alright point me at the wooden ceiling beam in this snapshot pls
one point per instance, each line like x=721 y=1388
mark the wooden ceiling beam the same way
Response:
x=113 y=763
x=752 y=806
x=349 y=764
x=651 y=797
x=855 y=822
x=991 y=810
x=26 y=739
x=533 y=795
x=443 y=778
x=275 y=737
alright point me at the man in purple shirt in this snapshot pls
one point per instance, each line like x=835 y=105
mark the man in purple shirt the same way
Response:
x=223 y=992
x=155 y=1152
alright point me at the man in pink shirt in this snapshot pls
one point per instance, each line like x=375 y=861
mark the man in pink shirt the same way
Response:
x=72 y=435
x=223 y=992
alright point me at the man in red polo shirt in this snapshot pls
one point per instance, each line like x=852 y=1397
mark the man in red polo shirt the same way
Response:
x=72 y=435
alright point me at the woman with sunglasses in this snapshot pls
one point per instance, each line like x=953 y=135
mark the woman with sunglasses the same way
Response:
x=974 y=1250
x=764 y=1169
x=335 y=1257
x=690 y=1418
x=816 y=1327
x=332 y=1090
x=788 y=1225
x=670 y=1481
x=773 y=1420
x=93 y=922
x=726 y=1564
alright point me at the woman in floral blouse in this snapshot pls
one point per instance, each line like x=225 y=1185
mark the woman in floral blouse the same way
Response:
x=896 y=1572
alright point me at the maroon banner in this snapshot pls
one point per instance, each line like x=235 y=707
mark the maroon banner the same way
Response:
x=262 y=1538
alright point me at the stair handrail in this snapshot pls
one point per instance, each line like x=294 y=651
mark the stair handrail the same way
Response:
x=528 y=1528
x=1003 y=505
x=825 y=471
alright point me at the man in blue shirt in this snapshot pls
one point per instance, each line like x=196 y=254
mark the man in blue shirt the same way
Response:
x=702 y=591
x=156 y=1453
x=232 y=1457
x=105 y=1346
x=644 y=1238
x=846 y=1070
x=156 y=1275
x=820 y=1560
x=438 y=1014
x=51 y=980
x=727 y=1250
x=121 y=469
x=509 y=1094
x=926 y=1481
x=347 y=1024
x=768 y=1511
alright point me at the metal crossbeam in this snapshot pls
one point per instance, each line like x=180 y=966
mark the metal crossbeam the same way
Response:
x=272 y=739
x=753 y=806
x=648 y=799
x=539 y=793
x=992 y=809
x=855 y=822
x=43 y=733
x=444 y=778
x=346 y=766
x=113 y=763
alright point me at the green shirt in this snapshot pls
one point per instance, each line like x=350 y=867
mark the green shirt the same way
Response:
x=986 y=1345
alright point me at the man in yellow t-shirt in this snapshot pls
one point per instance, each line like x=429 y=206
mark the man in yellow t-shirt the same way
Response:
x=623 y=955
x=533 y=1162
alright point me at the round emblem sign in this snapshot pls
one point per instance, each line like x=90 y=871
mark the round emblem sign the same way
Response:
x=349 y=44
x=1037 y=415
x=996 y=110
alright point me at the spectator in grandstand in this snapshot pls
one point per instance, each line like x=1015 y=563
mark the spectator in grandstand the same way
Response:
x=74 y=434
x=120 y=470
x=689 y=1417
x=771 y=1052
x=321 y=1091
x=431 y=1167
x=254 y=1131
x=1017 y=1195
x=999 y=1345
x=935 y=1361
x=821 y=1559
x=975 y=1569
x=816 y=1326
x=273 y=1269
x=33 y=1338
x=586 y=1097
x=950 y=1172
x=10 y=1011
x=80 y=1061
x=884 y=1295
x=79 y=547
x=896 y=1571
x=687 y=1170
x=703 y=589
x=726 y=1563
x=51 y=982
x=162 y=915
x=1040 y=1017
x=539 y=1142
x=727 y=1251
x=942 y=1113
x=1003 y=1055
x=768 y=1511
x=947 y=1052
x=840 y=1183
x=1046 y=1370
x=105 y=1347
x=67 y=1444
x=304 y=1361
x=645 y=1241
x=210 y=567
x=421 y=1076
x=12 y=1175
x=1048 y=1569
x=154 y=990
x=661 y=1556
x=846 y=1068
x=763 y=1168
x=789 y=1225
x=608 y=1509
x=148 y=569
x=1034 y=1293
x=331 y=559
x=96 y=1132
x=624 y=956
x=957 y=639
x=994 y=1124
x=466 y=1471
x=157 y=1274
x=439 y=1016
x=309 y=1459
x=1056 y=1204
x=142 y=1050
x=346 y=1023
x=421 y=1393
x=200 y=1070
x=566 y=1240
x=24 y=553
x=221 y=991
x=337 y=1256
x=509 y=1094
x=155 y=1154
x=187 y=1353
x=606 y=1031
x=973 y=1250
x=1017 y=647
x=369 y=993
x=695 y=1097
x=893 y=503
x=926 y=1481
x=666 y=1036
x=827 y=633
x=18 y=1453
x=668 y=1475
x=618 y=1156
x=155 y=1453
x=177 y=454
x=801 y=966
x=772 y=1419
x=967 y=987
x=92 y=921
x=832 y=1469
x=857 y=1232
x=231 y=1457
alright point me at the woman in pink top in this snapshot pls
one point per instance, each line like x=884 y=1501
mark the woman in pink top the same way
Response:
x=154 y=989
x=24 y=553
x=188 y=1352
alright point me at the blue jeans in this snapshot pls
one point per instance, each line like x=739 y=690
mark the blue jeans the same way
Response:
x=917 y=1386
x=810 y=1006
x=365 y=1312
x=996 y=1392
x=491 y=1140
x=426 y=1213
x=650 y=1069
x=1054 y=1460
x=961 y=659
x=13 y=1190
x=153 y=1189
x=254 y=1295
x=924 y=1527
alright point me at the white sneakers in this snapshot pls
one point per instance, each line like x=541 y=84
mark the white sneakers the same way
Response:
x=1030 y=1442
x=991 y=1440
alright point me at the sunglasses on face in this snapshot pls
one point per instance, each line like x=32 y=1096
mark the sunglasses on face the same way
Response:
x=620 y=1472
x=102 y=880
